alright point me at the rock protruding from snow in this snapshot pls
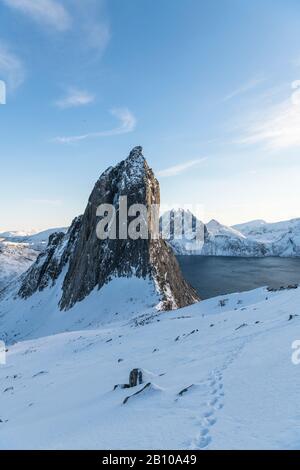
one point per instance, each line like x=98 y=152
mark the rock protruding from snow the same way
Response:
x=91 y=263
x=135 y=377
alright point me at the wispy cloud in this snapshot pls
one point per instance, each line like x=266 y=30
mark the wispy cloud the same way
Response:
x=178 y=169
x=127 y=124
x=11 y=68
x=277 y=127
x=93 y=23
x=49 y=12
x=75 y=98
x=244 y=88
x=96 y=32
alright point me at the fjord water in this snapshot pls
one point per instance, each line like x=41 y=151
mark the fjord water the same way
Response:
x=217 y=275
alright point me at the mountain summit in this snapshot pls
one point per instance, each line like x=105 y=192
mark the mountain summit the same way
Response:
x=88 y=263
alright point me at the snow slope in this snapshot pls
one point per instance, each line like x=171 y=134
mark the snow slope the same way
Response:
x=37 y=241
x=40 y=314
x=282 y=238
x=18 y=250
x=220 y=376
x=268 y=232
x=15 y=258
x=215 y=228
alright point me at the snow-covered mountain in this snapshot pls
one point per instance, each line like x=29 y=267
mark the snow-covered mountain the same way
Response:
x=184 y=232
x=36 y=241
x=268 y=232
x=215 y=240
x=107 y=277
x=15 y=259
x=17 y=235
x=253 y=239
x=282 y=238
x=18 y=250
x=227 y=241
x=215 y=375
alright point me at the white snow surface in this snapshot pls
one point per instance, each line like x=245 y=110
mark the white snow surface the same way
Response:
x=15 y=259
x=229 y=356
x=215 y=228
x=268 y=232
x=18 y=250
x=37 y=241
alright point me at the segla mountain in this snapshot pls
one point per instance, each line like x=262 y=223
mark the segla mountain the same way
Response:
x=79 y=268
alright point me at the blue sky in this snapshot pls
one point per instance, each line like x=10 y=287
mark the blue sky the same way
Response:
x=210 y=89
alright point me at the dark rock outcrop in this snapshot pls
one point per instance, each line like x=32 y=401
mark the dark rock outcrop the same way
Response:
x=90 y=262
x=135 y=377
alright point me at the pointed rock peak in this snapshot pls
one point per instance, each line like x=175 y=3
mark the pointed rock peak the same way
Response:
x=214 y=222
x=136 y=152
x=136 y=160
x=91 y=262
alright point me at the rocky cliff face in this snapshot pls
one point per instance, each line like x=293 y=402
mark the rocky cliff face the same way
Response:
x=86 y=262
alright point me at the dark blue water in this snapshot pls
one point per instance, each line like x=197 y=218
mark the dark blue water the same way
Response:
x=216 y=275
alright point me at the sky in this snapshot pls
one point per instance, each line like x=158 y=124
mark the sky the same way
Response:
x=209 y=88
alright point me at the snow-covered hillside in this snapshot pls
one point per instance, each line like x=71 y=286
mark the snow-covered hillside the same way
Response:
x=268 y=232
x=282 y=238
x=18 y=250
x=215 y=240
x=36 y=240
x=15 y=259
x=216 y=375
x=226 y=241
x=253 y=239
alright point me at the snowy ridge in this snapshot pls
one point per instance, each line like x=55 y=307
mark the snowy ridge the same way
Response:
x=268 y=232
x=15 y=259
x=253 y=239
x=19 y=250
x=36 y=241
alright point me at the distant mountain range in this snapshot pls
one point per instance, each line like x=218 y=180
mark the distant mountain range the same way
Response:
x=18 y=250
x=253 y=239
x=35 y=240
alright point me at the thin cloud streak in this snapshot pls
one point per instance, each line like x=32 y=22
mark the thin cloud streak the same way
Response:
x=93 y=23
x=248 y=86
x=11 y=68
x=49 y=12
x=127 y=124
x=178 y=169
x=278 y=127
x=75 y=98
